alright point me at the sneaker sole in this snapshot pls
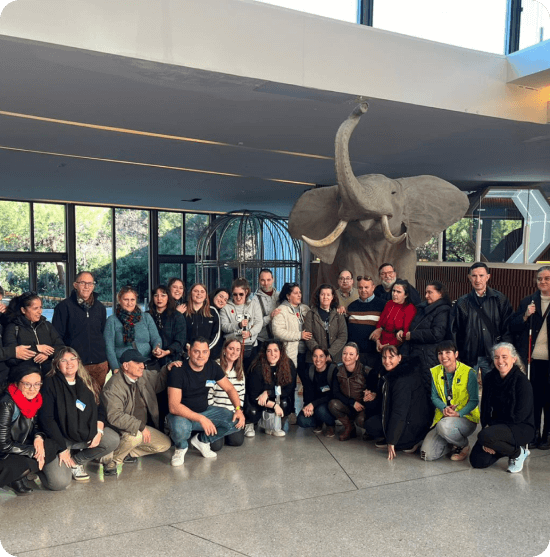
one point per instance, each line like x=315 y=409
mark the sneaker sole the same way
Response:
x=212 y=454
x=82 y=478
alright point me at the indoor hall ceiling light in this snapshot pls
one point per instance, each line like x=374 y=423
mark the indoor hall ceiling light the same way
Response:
x=151 y=165
x=157 y=135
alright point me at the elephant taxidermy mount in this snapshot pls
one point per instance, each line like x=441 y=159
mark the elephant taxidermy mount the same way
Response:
x=368 y=220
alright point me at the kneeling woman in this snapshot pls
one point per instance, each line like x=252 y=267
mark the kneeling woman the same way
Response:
x=270 y=387
x=71 y=417
x=507 y=413
x=407 y=411
x=349 y=386
x=23 y=447
x=232 y=365
x=318 y=393
x=455 y=395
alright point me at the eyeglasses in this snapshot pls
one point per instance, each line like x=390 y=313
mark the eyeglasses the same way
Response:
x=88 y=284
x=364 y=277
x=69 y=360
x=238 y=294
x=31 y=385
x=345 y=279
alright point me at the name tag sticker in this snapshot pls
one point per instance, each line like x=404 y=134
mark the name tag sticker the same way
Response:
x=278 y=391
x=210 y=383
x=80 y=405
x=325 y=389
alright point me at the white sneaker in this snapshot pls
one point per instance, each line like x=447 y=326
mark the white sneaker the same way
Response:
x=79 y=474
x=275 y=432
x=203 y=448
x=249 y=430
x=178 y=457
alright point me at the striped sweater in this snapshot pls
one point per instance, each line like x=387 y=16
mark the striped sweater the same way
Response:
x=362 y=320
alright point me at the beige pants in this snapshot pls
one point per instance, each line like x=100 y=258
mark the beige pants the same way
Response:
x=134 y=445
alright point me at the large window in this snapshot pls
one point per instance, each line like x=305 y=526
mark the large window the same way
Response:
x=475 y=24
x=344 y=10
x=535 y=22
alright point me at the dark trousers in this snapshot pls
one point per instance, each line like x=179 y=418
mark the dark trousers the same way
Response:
x=370 y=359
x=541 y=394
x=15 y=465
x=373 y=426
x=253 y=411
x=234 y=440
x=498 y=437
x=340 y=410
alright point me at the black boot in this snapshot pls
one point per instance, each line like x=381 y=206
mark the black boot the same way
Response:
x=20 y=485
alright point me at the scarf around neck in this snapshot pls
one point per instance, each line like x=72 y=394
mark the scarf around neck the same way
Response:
x=28 y=408
x=128 y=320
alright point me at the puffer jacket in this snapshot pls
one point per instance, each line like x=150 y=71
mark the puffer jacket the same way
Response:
x=337 y=334
x=286 y=326
x=407 y=410
x=428 y=329
x=231 y=315
x=466 y=326
x=16 y=436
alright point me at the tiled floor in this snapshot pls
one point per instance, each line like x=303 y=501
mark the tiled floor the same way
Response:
x=301 y=495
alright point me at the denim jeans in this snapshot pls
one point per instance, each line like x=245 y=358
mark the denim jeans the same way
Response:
x=321 y=415
x=446 y=433
x=484 y=364
x=182 y=428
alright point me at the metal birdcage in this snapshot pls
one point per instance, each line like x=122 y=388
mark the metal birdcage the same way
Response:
x=240 y=243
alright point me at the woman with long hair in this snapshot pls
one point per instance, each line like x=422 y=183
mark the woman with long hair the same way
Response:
x=129 y=327
x=28 y=327
x=507 y=412
x=396 y=318
x=231 y=363
x=202 y=319
x=72 y=416
x=171 y=326
x=176 y=290
x=328 y=328
x=270 y=387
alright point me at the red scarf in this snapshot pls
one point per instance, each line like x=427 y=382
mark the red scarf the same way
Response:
x=28 y=408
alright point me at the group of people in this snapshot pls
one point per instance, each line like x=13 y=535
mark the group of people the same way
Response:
x=209 y=370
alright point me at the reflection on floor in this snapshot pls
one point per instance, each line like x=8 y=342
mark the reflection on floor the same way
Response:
x=302 y=495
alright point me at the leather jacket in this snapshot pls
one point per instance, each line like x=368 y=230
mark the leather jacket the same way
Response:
x=16 y=436
x=467 y=327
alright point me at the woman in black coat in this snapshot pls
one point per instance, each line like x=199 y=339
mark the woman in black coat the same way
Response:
x=407 y=411
x=23 y=447
x=429 y=326
x=72 y=417
x=507 y=415
x=28 y=327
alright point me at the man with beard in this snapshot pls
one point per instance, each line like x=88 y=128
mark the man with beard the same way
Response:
x=266 y=297
x=388 y=276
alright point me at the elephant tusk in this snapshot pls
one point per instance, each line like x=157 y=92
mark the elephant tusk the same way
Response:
x=340 y=227
x=387 y=232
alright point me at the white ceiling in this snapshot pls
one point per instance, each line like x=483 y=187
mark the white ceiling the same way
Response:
x=250 y=121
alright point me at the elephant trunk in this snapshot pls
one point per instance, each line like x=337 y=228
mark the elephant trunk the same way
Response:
x=357 y=200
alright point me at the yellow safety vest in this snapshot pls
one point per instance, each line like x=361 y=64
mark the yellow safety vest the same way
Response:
x=460 y=390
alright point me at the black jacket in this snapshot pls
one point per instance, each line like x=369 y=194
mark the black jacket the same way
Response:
x=407 y=410
x=312 y=393
x=256 y=385
x=468 y=329
x=59 y=417
x=21 y=332
x=509 y=401
x=173 y=335
x=520 y=328
x=16 y=436
x=6 y=353
x=82 y=329
x=207 y=327
x=428 y=329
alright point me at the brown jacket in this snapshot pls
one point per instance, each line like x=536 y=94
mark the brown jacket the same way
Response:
x=337 y=334
x=353 y=386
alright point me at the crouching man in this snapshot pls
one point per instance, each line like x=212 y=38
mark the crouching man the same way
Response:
x=130 y=401
x=188 y=388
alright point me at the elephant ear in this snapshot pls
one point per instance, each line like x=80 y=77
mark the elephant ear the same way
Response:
x=315 y=215
x=431 y=205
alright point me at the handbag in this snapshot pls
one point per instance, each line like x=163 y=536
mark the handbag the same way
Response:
x=270 y=421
